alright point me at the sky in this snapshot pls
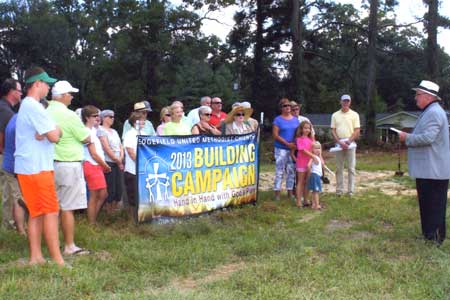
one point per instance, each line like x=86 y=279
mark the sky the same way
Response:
x=407 y=11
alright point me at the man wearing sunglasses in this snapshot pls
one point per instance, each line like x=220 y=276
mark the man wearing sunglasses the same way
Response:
x=217 y=115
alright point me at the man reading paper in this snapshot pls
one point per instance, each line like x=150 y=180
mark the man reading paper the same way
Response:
x=429 y=160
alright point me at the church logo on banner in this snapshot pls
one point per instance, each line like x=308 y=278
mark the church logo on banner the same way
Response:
x=189 y=175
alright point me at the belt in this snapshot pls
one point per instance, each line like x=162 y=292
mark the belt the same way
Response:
x=67 y=161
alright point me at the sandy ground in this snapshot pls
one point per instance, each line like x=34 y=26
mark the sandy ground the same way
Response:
x=364 y=181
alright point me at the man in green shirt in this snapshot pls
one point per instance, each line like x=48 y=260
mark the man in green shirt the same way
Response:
x=68 y=159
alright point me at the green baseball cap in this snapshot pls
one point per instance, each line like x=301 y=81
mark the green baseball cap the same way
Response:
x=42 y=77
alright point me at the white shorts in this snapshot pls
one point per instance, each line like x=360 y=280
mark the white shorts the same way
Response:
x=70 y=185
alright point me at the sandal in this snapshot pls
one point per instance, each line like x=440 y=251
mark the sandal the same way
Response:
x=78 y=252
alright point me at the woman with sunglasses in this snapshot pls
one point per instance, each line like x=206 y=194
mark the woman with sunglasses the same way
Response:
x=176 y=126
x=203 y=126
x=235 y=122
x=112 y=146
x=165 y=117
x=283 y=132
x=94 y=164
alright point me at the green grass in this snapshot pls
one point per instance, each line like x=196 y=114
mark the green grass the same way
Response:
x=363 y=247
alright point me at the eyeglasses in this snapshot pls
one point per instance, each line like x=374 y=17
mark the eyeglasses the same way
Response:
x=286 y=105
x=216 y=102
x=239 y=115
x=167 y=115
x=208 y=115
x=111 y=117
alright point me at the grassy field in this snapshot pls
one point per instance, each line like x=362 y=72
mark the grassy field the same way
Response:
x=364 y=247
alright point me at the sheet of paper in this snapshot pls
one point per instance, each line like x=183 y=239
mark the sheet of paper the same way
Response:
x=395 y=130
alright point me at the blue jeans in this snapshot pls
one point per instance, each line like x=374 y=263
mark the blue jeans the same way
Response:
x=284 y=165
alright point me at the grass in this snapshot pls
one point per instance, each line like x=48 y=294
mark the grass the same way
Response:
x=364 y=247
x=360 y=247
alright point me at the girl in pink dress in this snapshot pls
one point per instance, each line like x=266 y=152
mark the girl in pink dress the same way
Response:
x=303 y=141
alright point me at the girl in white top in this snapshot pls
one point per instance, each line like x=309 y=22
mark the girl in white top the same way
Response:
x=315 y=183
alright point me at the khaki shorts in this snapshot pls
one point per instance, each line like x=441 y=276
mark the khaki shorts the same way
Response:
x=70 y=185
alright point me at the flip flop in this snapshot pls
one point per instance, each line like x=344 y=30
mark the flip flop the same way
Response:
x=79 y=252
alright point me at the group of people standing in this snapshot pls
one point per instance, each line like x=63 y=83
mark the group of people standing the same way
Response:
x=298 y=155
x=56 y=161
x=428 y=155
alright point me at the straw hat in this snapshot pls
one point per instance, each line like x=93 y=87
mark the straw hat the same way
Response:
x=247 y=113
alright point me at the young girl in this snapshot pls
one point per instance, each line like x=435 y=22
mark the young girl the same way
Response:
x=315 y=183
x=303 y=140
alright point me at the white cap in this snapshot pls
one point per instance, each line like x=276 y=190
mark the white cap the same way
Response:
x=63 y=87
x=346 y=97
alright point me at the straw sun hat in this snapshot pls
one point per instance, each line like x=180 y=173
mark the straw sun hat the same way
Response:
x=247 y=113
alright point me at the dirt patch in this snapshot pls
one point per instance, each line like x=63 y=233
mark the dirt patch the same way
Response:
x=364 y=181
x=307 y=218
x=219 y=273
x=335 y=225
x=359 y=235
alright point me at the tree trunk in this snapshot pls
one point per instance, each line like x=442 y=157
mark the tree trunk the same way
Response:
x=432 y=46
x=297 y=53
x=371 y=76
x=259 y=53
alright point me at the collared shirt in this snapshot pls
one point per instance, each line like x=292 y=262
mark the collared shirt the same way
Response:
x=33 y=156
x=215 y=119
x=70 y=146
x=6 y=113
x=345 y=123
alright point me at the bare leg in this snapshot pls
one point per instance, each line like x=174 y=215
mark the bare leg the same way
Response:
x=103 y=193
x=50 y=222
x=315 y=200
x=300 y=187
x=277 y=195
x=68 y=229
x=96 y=200
x=305 y=187
x=19 y=218
x=34 y=238
x=92 y=206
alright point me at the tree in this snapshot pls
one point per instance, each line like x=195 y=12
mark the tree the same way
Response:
x=370 y=96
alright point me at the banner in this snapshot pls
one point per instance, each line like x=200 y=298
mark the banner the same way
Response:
x=189 y=175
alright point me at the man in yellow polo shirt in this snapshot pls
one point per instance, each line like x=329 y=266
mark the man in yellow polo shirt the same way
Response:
x=68 y=159
x=345 y=127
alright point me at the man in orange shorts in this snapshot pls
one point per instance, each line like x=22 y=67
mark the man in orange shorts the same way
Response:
x=35 y=135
